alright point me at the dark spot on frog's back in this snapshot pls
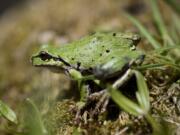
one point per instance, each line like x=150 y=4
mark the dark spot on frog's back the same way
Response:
x=107 y=51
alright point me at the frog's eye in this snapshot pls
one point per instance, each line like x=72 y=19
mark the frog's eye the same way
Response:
x=136 y=38
x=44 y=56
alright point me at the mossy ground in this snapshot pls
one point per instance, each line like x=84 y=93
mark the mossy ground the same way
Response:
x=164 y=108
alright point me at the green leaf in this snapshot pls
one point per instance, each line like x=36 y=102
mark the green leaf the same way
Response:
x=144 y=31
x=32 y=119
x=143 y=92
x=126 y=104
x=7 y=112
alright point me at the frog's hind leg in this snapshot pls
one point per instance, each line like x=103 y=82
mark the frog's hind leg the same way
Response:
x=83 y=90
x=122 y=80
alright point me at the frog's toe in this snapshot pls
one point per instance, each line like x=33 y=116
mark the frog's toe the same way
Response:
x=101 y=104
x=96 y=95
x=96 y=103
x=104 y=106
x=78 y=117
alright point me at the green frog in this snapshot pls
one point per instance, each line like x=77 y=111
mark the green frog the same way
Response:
x=94 y=59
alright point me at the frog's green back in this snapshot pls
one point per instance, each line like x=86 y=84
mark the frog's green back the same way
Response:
x=107 y=50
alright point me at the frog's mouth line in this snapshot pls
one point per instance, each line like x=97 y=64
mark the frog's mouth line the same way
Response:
x=44 y=56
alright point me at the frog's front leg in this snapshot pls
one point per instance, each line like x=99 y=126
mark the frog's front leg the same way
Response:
x=83 y=90
x=118 y=83
x=82 y=87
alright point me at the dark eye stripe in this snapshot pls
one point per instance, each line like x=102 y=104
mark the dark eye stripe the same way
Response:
x=46 y=56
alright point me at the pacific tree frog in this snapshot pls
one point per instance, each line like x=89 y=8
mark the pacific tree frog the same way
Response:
x=94 y=59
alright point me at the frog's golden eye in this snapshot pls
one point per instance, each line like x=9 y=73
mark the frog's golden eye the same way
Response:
x=44 y=56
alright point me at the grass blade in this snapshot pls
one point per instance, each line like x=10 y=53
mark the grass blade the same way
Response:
x=32 y=119
x=155 y=44
x=7 y=112
x=176 y=22
x=160 y=24
x=174 y=4
x=126 y=104
x=143 y=92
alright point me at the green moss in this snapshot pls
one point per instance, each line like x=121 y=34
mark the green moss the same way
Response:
x=59 y=119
